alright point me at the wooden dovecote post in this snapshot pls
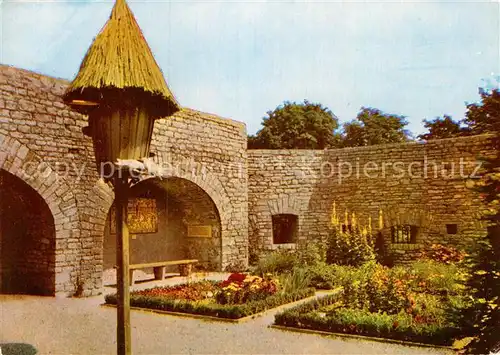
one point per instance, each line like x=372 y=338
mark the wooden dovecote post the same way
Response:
x=122 y=90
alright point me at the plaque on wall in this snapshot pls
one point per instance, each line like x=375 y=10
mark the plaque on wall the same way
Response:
x=199 y=231
x=142 y=216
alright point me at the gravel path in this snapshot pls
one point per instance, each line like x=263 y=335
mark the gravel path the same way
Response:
x=81 y=326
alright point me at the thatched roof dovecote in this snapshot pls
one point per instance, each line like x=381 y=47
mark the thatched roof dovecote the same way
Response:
x=119 y=69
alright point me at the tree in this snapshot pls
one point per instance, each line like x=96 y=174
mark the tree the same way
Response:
x=297 y=126
x=444 y=127
x=481 y=117
x=484 y=283
x=373 y=126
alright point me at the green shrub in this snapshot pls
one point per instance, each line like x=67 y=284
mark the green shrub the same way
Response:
x=276 y=262
x=311 y=253
x=349 y=248
x=231 y=311
x=329 y=276
x=435 y=277
x=322 y=276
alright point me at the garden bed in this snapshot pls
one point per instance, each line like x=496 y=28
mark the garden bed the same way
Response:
x=376 y=301
x=329 y=315
x=238 y=297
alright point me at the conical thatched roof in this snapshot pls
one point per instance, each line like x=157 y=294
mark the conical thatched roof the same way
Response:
x=119 y=66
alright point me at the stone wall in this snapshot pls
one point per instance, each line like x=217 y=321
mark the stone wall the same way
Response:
x=410 y=183
x=41 y=142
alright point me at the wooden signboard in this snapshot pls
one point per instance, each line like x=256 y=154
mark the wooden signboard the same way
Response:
x=199 y=231
x=142 y=216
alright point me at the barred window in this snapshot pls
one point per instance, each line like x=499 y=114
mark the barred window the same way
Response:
x=284 y=228
x=404 y=234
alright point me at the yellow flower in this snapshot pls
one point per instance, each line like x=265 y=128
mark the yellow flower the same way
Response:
x=249 y=279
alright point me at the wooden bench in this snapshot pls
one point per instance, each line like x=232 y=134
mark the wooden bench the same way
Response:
x=185 y=267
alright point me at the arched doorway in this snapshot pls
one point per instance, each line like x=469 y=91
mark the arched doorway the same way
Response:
x=27 y=239
x=169 y=219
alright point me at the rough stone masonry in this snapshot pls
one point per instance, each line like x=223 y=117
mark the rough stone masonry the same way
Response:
x=42 y=146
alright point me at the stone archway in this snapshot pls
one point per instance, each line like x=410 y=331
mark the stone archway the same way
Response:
x=27 y=239
x=18 y=160
x=101 y=196
x=169 y=219
x=198 y=174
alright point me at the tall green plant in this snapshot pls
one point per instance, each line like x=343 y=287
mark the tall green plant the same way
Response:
x=295 y=281
x=276 y=262
x=350 y=247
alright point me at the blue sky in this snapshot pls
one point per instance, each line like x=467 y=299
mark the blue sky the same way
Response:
x=241 y=59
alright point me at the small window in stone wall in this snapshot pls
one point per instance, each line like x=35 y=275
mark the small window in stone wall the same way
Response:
x=285 y=228
x=451 y=228
x=404 y=234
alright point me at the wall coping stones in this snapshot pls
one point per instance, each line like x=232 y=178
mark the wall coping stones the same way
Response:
x=431 y=144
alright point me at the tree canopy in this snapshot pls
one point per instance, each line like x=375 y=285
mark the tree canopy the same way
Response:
x=373 y=126
x=442 y=127
x=480 y=118
x=309 y=125
x=293 y=125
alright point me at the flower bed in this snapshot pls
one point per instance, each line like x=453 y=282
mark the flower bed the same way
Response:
x=329 y=314
x=237 y=297
x=398 y=303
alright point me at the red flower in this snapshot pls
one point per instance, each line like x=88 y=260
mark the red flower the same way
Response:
x=236 y=277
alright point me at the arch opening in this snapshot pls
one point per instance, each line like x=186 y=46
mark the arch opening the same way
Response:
x=169 y=219
x=27 y=239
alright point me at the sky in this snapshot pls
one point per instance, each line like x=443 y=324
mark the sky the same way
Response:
x=241 y=59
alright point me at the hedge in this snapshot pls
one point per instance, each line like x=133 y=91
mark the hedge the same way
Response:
x=228 y=311
x=361 y=322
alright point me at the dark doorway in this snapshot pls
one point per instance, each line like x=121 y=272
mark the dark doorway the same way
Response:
x=27 y=239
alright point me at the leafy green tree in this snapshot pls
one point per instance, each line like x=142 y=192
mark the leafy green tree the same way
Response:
x=482 y=319
x=444 y=127
x=297 y=126
x=354 y=134
x=484 y=283
x=482 y=117
x=373 y=126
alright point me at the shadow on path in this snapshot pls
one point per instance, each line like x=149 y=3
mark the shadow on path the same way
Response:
x=17 y=349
